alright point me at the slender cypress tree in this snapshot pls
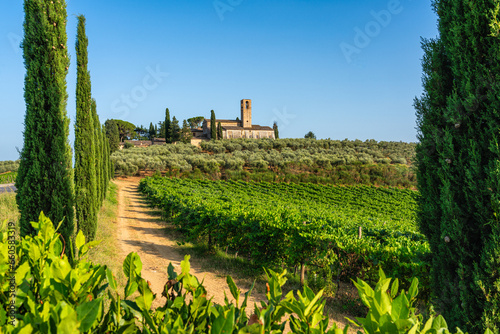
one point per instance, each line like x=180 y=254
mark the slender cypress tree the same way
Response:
x=98 y=156
x=213 y=126
x=168 y=133
x=459 y=162
x=45 y=176
x=151 y=132
x=85 y=150
x=219 y=131
x=276 y=132
x=113 y=134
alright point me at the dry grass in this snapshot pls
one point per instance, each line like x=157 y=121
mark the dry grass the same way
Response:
x=106 y=252
x=8 y=209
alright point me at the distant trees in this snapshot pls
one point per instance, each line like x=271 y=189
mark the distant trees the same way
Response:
x=309 y=135
x=275 y=128
x=45 y=176
x=195 y=122
x=213 y=130
x=458 y=162
x=125 y=129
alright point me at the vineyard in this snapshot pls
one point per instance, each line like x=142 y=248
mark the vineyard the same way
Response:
x=9 y=177
x=297 y=225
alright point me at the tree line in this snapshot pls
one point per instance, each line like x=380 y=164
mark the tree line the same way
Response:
x=47 y=180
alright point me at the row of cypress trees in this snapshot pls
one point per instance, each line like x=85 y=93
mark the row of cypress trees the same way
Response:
x=92 y=151
x=46 y=180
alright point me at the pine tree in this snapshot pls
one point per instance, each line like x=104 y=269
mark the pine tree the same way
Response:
x=219 y=131
x=175 y=130
x=459 y=162
x=168 y=133
x=86 y=174
x=276 y=132
x=45 y=176
x=213 y=129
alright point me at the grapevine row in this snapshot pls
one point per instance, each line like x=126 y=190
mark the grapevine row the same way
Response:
x=295 y=224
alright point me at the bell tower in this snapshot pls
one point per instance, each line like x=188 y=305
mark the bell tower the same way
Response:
x=246 y=113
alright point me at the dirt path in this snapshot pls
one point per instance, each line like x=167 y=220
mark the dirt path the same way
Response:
x=138 y=230
x=142 y=231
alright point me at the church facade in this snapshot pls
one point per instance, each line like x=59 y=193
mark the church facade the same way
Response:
x=231 y=129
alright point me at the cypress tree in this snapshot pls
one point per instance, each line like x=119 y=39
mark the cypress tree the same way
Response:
x=112 y=134
x=219 y=131
x=213 y=129
x=105 y=160
x=151 y=131
x=175 y=130
x=45 y=176
x=85 y=151
x=168 y=133
x=276 y=132
x=459 y=162
x=98 y=156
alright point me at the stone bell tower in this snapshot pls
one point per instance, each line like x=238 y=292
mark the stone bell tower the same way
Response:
x=246 y=113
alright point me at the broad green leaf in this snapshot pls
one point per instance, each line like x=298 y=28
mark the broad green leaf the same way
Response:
x=145 y=300
x=439 y=323
x=171 y=272
x=185 y=265
x=394 y=288
x=235 y=291
x=413 y=291
x=111 y=279
x=224 y=323
x=132 y=266
x=131 y=287
x=80 y=240
x=88 y=312
x=312 y=303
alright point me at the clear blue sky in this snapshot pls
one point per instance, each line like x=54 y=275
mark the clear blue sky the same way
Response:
x=340 y=68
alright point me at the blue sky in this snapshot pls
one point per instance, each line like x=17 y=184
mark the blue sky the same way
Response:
x=339 y=68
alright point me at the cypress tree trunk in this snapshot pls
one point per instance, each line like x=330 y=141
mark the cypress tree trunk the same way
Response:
x=45 y=175
x=459 y=162
x=85 y=151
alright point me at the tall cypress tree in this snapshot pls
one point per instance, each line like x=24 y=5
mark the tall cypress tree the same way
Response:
x=276 y=132
x=98 y=156
x=219 y=131
x=168 y=133
x=45 y=175
x=85 y=151
x=459 y=162
x=213 y=126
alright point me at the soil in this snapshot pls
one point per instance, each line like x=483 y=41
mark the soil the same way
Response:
x=141 y=230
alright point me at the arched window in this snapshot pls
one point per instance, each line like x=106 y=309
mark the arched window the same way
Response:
x=247 y=105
